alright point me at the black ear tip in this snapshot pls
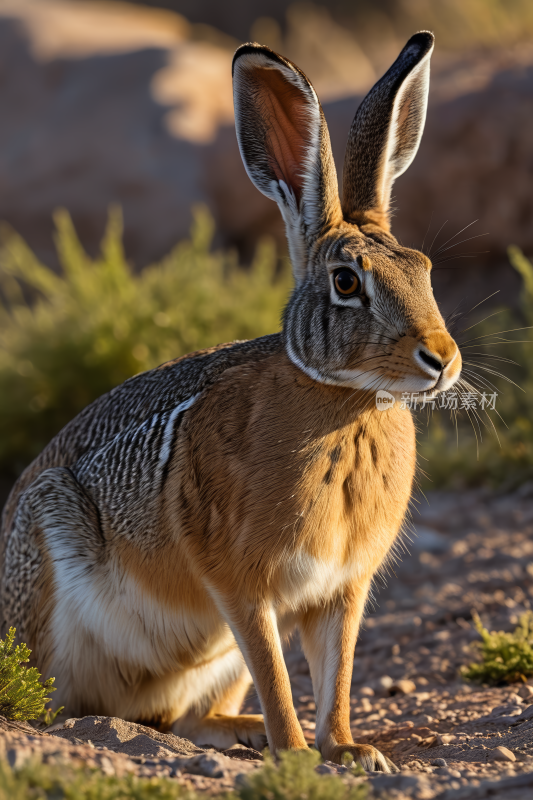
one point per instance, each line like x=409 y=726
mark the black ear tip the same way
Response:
x=423 y=40
x=253 y=48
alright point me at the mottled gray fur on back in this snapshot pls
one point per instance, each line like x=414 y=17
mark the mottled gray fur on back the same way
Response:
x=128 y=406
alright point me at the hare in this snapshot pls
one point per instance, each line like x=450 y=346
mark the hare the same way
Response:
x=169 y=537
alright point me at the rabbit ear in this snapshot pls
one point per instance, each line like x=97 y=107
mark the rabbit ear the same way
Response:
x=386 y=133
x=285 y=146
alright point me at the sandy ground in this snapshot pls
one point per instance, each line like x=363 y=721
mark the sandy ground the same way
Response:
x=451 y=740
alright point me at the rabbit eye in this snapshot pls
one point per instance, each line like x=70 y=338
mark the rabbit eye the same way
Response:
x=346 y=282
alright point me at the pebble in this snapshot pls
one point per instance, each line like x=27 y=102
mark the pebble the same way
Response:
x=326 y=769
x=17 y=756
x=106 y=766
x=403 y=687
x=501 y=754
x=206 y=764
x=526 y=714
x=507 y=710
x=526 y=692
x=439 y=762
x=445 y=738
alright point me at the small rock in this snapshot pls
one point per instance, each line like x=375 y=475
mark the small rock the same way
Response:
x=402 y=687
x=526 y=692
x=326 y=769
x=243 y=753
x=501 y=754
x=17 y=756
x=506 y=710
x=210 y=765
x=367 y=691
x=454 y=773
x=413 y=785
x=425 y=719
x=240 y=780
x=445 y=738
x=384 y=683
x=526 y=714
x=106 y=766
x=439 y=762
x=366 y=705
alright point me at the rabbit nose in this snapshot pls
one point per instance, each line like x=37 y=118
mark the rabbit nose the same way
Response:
x=435 y=351
x=433 y=361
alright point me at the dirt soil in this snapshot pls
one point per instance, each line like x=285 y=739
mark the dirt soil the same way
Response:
x=452 y=741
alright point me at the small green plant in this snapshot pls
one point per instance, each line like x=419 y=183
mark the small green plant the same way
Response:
x=37 y=781
x=49 y=716
x=22 y=695
x=294 y=777
x=505 y=657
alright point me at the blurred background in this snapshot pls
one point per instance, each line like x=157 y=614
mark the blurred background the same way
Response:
x=131 y=233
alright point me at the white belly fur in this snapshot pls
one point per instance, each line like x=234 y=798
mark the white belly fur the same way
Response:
x=308 y=581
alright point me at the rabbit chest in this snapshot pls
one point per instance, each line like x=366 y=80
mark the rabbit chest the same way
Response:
x=289 y=488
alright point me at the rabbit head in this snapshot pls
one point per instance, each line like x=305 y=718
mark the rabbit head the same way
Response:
x=362 y=313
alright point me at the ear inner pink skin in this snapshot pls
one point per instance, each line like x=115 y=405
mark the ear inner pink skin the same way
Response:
x=282 y=102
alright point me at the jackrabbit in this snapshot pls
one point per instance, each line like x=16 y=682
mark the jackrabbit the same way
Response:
x=165 y=541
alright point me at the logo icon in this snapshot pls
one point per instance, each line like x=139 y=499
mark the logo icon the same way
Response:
x=384 y=400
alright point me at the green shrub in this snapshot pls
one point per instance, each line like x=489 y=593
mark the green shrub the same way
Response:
x=22 y=695
x=89 y=328
x=505 y=657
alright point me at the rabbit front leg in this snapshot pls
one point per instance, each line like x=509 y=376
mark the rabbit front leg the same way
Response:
x=328 y=636
x=256 y=632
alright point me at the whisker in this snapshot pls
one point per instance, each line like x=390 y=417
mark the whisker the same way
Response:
x=426 y=233
x=443 y=249
x=493 y=344
x=495 y=357
x=485 y=382
x=511 y=330
x=435 y=237
x=459 y=255
x=500 y=375
x=494 y=313
x=483 y=301
x=460 y=232
x=494 y=409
